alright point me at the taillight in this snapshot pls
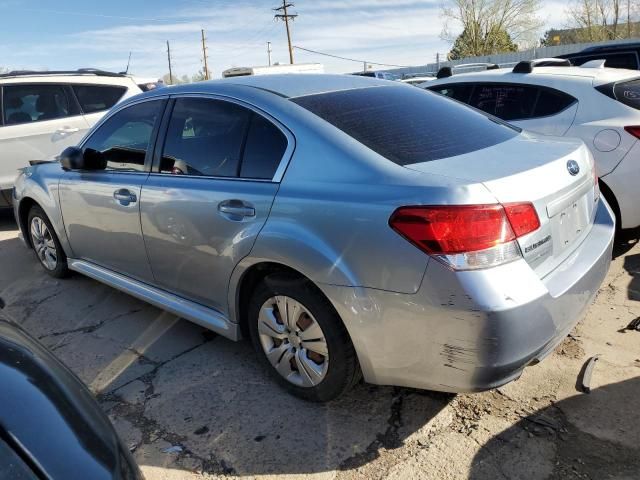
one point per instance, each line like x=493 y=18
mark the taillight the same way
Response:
x=633 y=130
x=467 y=236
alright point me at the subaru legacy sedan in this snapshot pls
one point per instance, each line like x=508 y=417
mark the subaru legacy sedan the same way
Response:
x=348 y=226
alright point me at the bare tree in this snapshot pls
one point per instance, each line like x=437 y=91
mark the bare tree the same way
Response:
x=598 y=20
x=483 y=21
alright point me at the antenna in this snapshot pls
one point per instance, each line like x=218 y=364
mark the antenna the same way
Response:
x=128 y=63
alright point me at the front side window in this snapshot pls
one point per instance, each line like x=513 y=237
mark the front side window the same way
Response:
x=407 y=125
x=459 y=91
x=215 y=138
x=97 y=98
x=34 y=103
x=121 y=143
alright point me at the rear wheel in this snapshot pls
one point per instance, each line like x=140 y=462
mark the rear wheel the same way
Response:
x=46 y=244
x=298 y=334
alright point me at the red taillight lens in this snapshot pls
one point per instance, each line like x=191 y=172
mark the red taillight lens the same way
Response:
x=448 y=229
x=633 y=130
x=522 y=217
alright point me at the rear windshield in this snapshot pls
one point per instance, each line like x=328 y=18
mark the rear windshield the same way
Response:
x=408 y=125
x=628 y=93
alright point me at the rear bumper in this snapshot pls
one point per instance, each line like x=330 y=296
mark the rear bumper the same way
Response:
x=475 y=330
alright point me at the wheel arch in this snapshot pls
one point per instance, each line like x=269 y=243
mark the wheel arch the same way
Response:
x=24 y=207
x=611 y=199
x=246 y=277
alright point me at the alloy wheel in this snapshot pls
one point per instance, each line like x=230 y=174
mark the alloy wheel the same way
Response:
x=293 y=341
x=43 y=244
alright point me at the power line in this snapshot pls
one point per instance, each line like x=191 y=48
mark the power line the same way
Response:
x=351 y=59
x=286 y=16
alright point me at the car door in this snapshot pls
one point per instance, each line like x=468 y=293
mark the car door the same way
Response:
x=38 y=122
x=209 y=194
x=101 y=208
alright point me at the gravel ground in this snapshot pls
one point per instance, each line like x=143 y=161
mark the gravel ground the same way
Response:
x=193 y=405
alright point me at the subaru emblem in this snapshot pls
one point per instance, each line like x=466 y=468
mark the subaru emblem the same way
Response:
x=573 y=167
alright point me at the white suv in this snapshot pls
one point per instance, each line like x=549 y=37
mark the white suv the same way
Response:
x=599 y=105
x=42 y=113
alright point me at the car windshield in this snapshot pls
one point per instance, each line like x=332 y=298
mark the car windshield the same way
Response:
x=408 y=125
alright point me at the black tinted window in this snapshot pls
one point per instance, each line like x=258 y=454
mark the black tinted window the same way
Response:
x=264 y=149
x=12 y=466
x=628 y=93
x=506 y=101
x=551 y=102
x=121 y=143
x=407 y=125
x=96 y=98
x=460 y=92
x=628 y=60
x=34 y=103
x=205 y=137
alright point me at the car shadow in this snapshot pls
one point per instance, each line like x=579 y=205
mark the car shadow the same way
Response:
x=7 y=220
x=584 y=436
x=632 y=266
x=625 y=240
x=183 y=398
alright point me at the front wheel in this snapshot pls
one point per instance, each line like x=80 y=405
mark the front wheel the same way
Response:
x=298 y=334
x=46 y=244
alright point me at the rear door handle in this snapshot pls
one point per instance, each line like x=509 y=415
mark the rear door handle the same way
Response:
x=236 y=209
x=125 y=197
x=67 y=130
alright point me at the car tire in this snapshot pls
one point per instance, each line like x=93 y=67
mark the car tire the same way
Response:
x=309 y=353
x=45 y=243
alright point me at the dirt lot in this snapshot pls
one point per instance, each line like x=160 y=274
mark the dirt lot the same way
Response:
x=193 y=405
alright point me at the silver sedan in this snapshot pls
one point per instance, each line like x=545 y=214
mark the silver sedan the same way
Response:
x=348 y=226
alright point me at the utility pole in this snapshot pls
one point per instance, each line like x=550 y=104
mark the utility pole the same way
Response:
x=204 y=55
x=285 y=17
x=437 y=62
x=169 y=59
x=269 y=52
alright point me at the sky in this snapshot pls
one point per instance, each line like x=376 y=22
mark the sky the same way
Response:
x=70 y=34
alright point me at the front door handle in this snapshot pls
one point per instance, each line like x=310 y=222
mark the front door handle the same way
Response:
x=125 y=197
x=236 y=210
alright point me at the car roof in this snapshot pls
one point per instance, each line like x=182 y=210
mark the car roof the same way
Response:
x=612 y=48
x=598 y=75
x=289 y=84
x=74 y=76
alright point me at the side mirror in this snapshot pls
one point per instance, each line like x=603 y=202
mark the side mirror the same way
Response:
x=73 y=158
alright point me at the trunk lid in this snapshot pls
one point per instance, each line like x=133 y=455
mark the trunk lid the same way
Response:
x=540 y=170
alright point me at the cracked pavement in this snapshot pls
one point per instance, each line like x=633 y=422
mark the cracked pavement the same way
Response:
x=192 y=405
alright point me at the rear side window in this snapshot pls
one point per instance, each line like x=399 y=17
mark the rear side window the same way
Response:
x=550 y=102
x=263 y=150
x=97 y=98
x=34 y=103
x=205 y=138
x=628 y=93
x=407 y=125
x=628 y=60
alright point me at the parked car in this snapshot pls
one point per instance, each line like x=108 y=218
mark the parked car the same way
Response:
x=44 y=112
x=425 y=243
x=380 y=75
x=50 y=425
x=618 y=55
x=599 y=105
x=416 y=81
